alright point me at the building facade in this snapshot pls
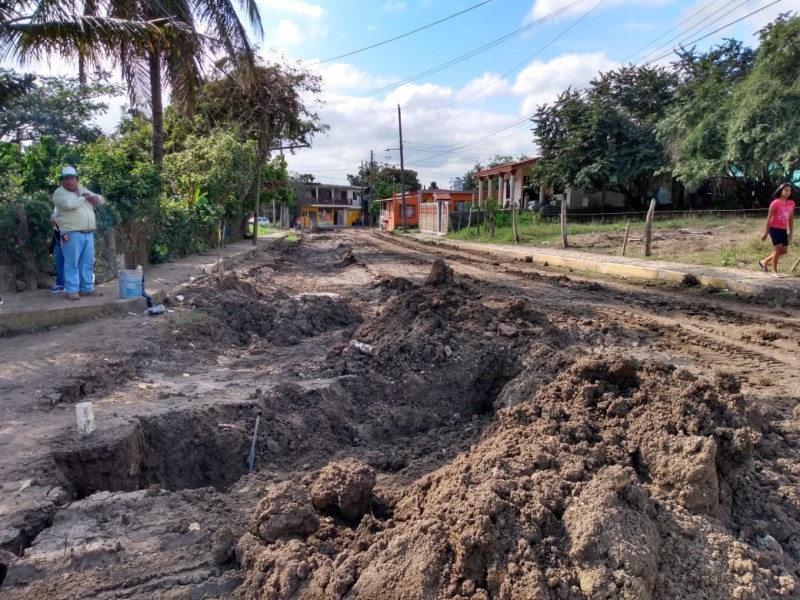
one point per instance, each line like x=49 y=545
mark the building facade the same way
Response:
x=331 y=206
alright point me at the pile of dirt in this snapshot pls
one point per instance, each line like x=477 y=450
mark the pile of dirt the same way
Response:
x=419 y=437
x=275 y=317
x=613 y=481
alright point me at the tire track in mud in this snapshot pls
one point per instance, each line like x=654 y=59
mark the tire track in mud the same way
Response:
x=710 y=332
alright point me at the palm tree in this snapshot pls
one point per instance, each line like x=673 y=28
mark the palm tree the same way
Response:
x=145 y=38
x=195 y=29
x=30 y=32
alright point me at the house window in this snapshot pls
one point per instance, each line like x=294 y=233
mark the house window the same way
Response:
x=461 y=206
x=410 y=212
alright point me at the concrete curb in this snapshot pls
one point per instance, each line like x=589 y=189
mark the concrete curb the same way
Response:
x=737 y=281
x=23 y=320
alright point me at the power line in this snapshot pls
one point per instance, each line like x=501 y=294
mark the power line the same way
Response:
x=709 y=34
x=399 y=37
x=465 y=56
x=695 y=26
x=527 y=119
x=519 y=66
x=670 y=30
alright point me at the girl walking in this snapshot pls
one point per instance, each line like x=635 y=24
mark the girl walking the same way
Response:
x=779 y=226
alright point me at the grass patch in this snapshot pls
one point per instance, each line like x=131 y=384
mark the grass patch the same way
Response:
x=189 y=317
x=739 y=244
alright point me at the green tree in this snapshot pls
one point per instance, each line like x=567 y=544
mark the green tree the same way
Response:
x=156 y=44
x=694 y=128
x=604 y=139
x=381 y=180
x=14 y=86
x=60 y=107
x=763 y=138
x=267 y=105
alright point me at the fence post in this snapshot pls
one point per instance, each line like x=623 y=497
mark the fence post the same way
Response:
x=648 y=227
x=564 y=243
x=625 y=240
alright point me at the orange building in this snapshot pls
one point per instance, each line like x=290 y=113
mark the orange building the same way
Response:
x=391 y=213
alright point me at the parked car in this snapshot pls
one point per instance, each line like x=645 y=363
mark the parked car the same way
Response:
x=546 y=209
x=261 y=220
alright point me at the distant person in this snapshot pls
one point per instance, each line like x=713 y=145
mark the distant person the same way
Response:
x=58 y=254
x=75 y=205
x=779 y=226
x=298 y=224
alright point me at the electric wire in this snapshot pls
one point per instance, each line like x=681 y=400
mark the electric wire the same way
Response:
x=526 y=120
x=401 y=36
x=465 y=56
x=671 y=29
x=688 y=31
x=516 y=68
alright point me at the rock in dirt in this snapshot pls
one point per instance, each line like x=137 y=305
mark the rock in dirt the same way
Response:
x=344 y=488
x=223 y=543
x=614 y=539
x=284 y=511
x=440 y=275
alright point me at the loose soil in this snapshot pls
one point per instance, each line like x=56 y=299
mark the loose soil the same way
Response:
x=428 y=423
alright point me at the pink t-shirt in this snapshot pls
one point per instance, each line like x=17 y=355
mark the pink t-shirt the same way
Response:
x=780 y=218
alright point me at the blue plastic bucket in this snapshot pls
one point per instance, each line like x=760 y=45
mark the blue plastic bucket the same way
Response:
x=130 y=283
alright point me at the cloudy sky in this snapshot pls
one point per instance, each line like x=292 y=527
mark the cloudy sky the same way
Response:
x=471 y=76
x=468 y=74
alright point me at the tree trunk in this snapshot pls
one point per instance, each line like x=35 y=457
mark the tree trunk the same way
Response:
x=648 y=227
x=263 y=154
x=157 y=106
x=514 y=227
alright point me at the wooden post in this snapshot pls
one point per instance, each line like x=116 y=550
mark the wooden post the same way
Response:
x=797 y=262
x=514 y=227
x=564 y=243
x=648 y=227
x=625 y=241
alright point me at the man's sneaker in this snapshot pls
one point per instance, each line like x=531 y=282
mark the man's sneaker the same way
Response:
x=73 y=296
x=57 y=288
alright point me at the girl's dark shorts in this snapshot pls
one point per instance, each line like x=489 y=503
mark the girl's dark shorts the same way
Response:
x=779 y=237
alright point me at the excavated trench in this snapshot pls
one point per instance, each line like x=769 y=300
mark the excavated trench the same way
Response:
x=202 y=447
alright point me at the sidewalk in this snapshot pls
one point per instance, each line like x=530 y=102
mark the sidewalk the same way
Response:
x=39 y=309
x=741 y=281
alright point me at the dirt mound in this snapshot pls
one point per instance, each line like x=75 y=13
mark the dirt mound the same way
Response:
x=275 y=317
x=614 y=481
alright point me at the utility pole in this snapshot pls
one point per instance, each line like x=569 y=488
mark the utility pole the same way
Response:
x=361 y=178
x=371 y=183
x=402 y=172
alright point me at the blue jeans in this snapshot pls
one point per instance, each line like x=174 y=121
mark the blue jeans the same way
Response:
x=78 y=253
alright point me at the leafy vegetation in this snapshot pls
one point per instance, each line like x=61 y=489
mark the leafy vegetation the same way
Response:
x=726 y=116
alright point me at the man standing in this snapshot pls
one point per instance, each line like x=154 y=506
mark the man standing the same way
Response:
x=75 y=206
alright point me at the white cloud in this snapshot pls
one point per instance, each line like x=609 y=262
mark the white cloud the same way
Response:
x=286 y=33
x=394 y=6
x=541 y=82
x=425 y=95
x=313 y=11
x=485 y=86
x=431 y=137
x=544 y=8
x=373 y=28
x=338 y=77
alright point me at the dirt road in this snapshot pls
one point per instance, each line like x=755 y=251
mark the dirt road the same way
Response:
x=428 y=423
